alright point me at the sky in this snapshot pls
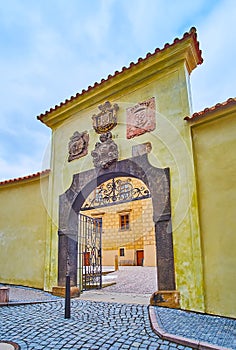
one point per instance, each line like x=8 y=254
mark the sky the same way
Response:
x=52 y=49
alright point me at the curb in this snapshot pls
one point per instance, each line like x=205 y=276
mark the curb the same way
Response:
x=17 y=303
x=195 y=344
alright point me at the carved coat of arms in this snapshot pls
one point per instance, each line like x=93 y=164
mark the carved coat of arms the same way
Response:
x=78 y=145
x=141 y=118
x=106 y=119
x=105 y=152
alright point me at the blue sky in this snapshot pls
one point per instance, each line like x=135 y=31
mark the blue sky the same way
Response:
x=52 y=49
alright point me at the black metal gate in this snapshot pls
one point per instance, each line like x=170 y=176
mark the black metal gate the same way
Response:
x=89 y=253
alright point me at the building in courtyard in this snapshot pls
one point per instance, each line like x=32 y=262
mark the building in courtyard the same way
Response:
x=126 y=221
x=134 y=176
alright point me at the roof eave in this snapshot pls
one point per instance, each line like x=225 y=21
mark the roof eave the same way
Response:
x=209 y=113
x=25 y=179
x=185 y=50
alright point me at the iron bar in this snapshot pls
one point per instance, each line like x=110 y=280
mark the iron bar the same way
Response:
x=67 y=297
x=115 y=191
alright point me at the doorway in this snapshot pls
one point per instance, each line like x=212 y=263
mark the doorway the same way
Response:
x=140 y=257
x=157 y=181
x=124 y=206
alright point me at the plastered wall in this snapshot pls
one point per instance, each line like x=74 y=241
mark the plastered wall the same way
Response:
x=215 y=161
x=23 y=220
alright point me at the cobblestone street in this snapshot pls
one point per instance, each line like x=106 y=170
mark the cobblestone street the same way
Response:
x=133 y=279
x=93 y=325
x=116 y=317
x=133 y=284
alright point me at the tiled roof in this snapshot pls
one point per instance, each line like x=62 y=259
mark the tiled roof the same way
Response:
x=192 y=33
x=206 y=111
x=27 y=177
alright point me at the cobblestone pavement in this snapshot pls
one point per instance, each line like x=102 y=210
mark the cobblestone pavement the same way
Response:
x=115 y=317
x=93 y=325
x=134 y=284
x=19 y=294
x=132 y=279
x=220 y=332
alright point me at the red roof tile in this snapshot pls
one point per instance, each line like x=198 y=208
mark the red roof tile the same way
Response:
x=206 y=111
x=27 y=177
x=192 y=33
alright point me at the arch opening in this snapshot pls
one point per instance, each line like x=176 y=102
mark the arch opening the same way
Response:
x=158 y=183
x=115 y=235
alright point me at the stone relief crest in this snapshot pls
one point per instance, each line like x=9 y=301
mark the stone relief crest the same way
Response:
x=105 y=152
x=141 y=149
x=106 y=119
x=78 y=145
x=141 y=118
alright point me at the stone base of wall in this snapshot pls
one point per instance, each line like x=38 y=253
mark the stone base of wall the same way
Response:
x=61 y=291
x=166 y=298
x=126 y=263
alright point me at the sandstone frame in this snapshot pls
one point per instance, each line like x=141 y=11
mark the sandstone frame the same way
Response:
x=70 y=203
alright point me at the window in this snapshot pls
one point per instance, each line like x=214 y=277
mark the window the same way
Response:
x=98 y=222
x=124 y=222
x=122 y=251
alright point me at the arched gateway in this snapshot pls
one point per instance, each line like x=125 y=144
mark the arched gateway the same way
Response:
x=158 y=182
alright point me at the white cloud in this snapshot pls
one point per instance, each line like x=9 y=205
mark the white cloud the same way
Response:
x=51 y=50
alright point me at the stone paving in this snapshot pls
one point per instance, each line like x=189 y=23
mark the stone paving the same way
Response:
x=133 y=279
x=93 y=325
x=134 y=284
x=115 y=317
x=19 y=294
x=199 y=328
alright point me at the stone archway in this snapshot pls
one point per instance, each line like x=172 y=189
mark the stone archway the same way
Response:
x=70 y=203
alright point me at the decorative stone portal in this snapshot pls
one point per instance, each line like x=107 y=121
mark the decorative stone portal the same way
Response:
x=70 y=203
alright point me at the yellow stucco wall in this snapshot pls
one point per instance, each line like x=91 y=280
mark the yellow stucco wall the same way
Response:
x=167 y=79
x=23 y=221
x=214 y=141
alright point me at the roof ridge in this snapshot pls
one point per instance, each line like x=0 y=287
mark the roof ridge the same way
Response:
x=38 y=174
x=192 y=32
x=197 y=115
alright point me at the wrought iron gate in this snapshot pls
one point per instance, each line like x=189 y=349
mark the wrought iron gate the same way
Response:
x=89 y=253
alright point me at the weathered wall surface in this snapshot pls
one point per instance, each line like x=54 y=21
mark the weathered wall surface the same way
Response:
x=215 y=160
x=23 y=220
